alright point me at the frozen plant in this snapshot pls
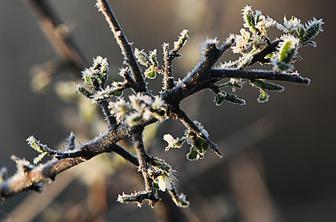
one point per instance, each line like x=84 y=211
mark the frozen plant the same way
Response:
x=128 y=116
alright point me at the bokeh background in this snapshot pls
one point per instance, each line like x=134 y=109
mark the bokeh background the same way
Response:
x=280 y=156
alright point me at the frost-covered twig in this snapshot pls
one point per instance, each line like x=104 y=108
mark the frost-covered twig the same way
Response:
x=127 y=116
x=125 y=47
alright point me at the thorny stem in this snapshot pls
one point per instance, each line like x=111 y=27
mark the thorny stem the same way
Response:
x=43 y=173
x=143 y=167
x=260 y=57
x=105 y=8
x=189 y=124
x=201 y=77
x=111 y=120
x=210 y=56
x=168 y=56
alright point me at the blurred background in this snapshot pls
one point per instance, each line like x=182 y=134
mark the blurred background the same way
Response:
x=279 y=157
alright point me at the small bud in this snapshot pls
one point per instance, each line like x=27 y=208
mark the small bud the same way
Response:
x=181 y=41
x=39 y=147
x=166 y=181
x=286 y=54
x=153 y=58
x=151 y=72
x=242 y=42
x=97 y=72
x=39 y=158
x=101 y=64
x=248 y=17
x=141 y=57
x=119 y=109
x=35 y=144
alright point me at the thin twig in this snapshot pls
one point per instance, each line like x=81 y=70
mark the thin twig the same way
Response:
x=63 y=44
x=143 y=167
x=168 y=56
x=257 y=74
x=125 y=47
x=189 y=124
x=30 y=177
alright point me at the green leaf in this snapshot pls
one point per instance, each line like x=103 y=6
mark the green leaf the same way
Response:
x=151 y=72
x=85 y=92
x=287 y=51
x=263 y=96
x=39 y=158
x=312 y=30
x=193 y=155
x=219 y=98
x=153 y=58
x=181 y=41
x=248 y=17
x=267 y=85
x=35 y=144
x=198 y=148
x=233 y=98
x=200 y=145
x=141 y=57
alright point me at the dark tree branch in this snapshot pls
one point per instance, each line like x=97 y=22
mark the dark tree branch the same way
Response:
x=218 y=74
x=126 y=48
x=260 y=57
x=143 y=167
x=35 y=176
x=210 y=56
x=30 y=177
x=189 y=124
x=107 y=141
x=168 y=56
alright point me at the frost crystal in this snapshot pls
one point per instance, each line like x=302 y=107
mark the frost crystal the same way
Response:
x=242 y=42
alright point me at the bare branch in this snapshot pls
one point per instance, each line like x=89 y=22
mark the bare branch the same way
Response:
x=142 y=108
x=143 y=168
x=37 y=176
x=126 y=48
x=257 y=74
x=189 y=124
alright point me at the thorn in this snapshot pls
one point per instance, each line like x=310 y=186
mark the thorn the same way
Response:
x=216 y=150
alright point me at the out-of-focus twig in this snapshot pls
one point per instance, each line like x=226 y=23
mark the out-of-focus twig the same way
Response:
x=250 y=190
x=61 y=41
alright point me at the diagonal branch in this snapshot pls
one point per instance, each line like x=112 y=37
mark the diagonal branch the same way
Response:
x=63 y=44
x=211 y=54
x=36 y=176
x=29 y=177
x=260 y=57
x=189 y=124
x=126 y=48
